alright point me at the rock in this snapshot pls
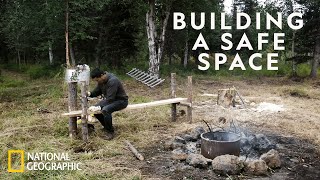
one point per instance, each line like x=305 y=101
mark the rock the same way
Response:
x=227 y=164
x=179 y=139
x=272 y=158
x=261 y=143
x=188 y=137
x=295 y=160
x=172 y=144
x=256 y=167
x=191 y=147
x=216 y=129
x=196 y=132
x=179 y=154
x=198 y=143
x=182 y=167
x=197 y=160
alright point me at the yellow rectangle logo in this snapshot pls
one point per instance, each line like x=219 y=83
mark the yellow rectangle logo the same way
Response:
x=10 y=152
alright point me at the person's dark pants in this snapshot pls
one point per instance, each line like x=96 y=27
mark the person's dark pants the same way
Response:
x=107 y=109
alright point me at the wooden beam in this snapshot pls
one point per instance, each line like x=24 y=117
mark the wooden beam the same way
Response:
x=134 y=106
x=185 y=104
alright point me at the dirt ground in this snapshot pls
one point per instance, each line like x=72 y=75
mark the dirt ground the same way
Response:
x=294 y=129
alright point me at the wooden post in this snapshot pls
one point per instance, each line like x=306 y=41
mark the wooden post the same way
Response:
x=84 y=111
x=72 y=106
x=173 y=95
x=189 y=108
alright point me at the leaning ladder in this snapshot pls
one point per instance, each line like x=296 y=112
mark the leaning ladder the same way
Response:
x=145 y=78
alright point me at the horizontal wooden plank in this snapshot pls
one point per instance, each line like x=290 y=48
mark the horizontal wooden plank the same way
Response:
x=134 y=106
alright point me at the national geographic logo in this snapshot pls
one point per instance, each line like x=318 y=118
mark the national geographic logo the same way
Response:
x=10 y=157
x=18 y=160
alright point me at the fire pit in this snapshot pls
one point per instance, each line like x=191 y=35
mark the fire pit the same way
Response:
x=218 y=143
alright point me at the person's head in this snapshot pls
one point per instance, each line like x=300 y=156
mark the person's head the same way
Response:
x=98 y=75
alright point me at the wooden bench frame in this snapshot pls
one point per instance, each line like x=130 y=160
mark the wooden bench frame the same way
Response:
x=174 y=101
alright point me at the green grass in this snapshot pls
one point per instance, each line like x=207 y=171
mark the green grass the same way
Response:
x=22 y=127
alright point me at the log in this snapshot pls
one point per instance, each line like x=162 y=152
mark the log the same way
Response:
x=134 y=150
x=226 y=97
x=173 y=95
x=84 y=111
x=134 y=106
x=72 y=106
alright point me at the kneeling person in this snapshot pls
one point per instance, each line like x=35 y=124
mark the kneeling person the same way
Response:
x=114 y=98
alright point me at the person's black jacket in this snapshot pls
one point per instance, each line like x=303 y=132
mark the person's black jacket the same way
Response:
x=111 y=89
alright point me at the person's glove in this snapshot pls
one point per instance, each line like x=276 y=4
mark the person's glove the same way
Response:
x=94 y=108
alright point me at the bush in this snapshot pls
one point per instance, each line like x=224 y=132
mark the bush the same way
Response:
x=39 y=71
x=303 y=70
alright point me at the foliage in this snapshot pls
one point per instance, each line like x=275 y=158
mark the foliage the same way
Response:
x=112 y=34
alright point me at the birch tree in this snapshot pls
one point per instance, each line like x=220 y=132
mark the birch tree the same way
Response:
x=154 y=26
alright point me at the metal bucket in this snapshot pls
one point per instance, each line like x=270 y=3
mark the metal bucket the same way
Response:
x=81 y=73
x=218 y=143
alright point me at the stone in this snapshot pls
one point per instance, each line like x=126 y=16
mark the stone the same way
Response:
x=188 y=137
x=179 y=139
x=261 y=143
x=179 y=154
x=295 y=160
x=182 y=167
x=256 y=167
x=227 y=164
x=272 y=158
x=196 y=132
x=197 y=160
x=191 y=147
x=198 y=143
x=172 y=144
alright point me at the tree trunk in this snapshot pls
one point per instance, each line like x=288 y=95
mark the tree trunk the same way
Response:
x=67 y=34
x=50 y=53
x=294 y=68
x=73 y=60
x=72 y=88
x=151 y=33
x=19 y=59
x=98 y=50
x=186 y=55
x=163 y=35
x=155 y=45
x=316 y=58
x=24 y=58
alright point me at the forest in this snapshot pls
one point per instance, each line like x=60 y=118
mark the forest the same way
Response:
x=118 y=34
x=188 y=90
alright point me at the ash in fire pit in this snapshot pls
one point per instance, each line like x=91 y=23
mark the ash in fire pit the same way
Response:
x=219 y=150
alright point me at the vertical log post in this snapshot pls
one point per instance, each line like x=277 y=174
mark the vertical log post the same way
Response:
x=84 y=111
x=173 y=95
x=72 y=106
x=189 y=108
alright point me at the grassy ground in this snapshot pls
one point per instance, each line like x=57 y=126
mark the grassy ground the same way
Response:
x=23 y=127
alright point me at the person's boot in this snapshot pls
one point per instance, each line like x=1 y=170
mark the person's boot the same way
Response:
x=109 y=135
